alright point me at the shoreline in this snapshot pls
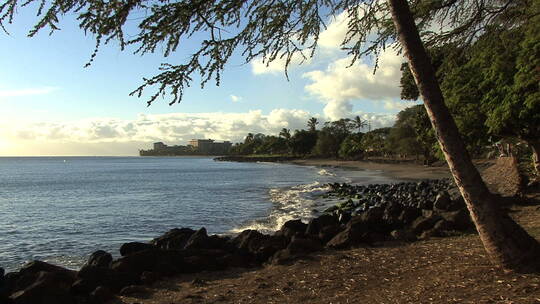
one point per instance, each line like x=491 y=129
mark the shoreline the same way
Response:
x=402 y=171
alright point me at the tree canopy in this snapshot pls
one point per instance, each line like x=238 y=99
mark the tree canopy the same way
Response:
x=266 y=29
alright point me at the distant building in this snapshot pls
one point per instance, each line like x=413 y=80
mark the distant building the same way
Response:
x=159 y=146
x=194 y=147
x=209 y=146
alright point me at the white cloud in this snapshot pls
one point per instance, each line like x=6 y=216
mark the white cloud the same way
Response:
x=260 y=66
x=26 y=91
x=340 y=84
x=99 y=135
x=335 y=32
x=235 y=98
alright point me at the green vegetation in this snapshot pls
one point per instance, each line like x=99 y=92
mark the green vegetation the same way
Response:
x=491 y=88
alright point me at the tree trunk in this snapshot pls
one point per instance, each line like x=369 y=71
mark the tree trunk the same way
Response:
x=535 y=146
x=506 y=243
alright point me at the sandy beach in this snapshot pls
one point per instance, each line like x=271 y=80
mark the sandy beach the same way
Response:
x=406 y=171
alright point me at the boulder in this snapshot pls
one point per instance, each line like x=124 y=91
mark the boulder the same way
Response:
x=100 y=258
x=174 y=239
x=328 y=232
x=101 y=294
x=132 y=247
x=403 y=235
x=29 y=274
x=149 y=278
x=409 y=214
x=391 y=214
x=298 y=247
x=201 y=240
x=316 y=225
x=303 y=245
x=459 y=220
x=49 y=287
x=259 y=245
x=170 y=261
x=90 y=277
x=352 y=235
x=422 y=224
x=292 y=228
x=442 y=202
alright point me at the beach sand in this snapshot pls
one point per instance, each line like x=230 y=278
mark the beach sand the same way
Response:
x=404 y=171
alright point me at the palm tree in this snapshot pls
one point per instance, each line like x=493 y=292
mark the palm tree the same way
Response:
x=359 y=123
x=312 y=123
x=285 y=133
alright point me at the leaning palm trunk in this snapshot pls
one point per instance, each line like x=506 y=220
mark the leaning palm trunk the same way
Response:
x=506 y=243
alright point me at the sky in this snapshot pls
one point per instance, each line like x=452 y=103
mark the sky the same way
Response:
x=51 y=105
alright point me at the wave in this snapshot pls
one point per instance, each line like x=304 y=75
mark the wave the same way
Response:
x=297 y=202
x=325 y=172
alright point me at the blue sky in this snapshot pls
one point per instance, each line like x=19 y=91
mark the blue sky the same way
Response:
x=51 y=105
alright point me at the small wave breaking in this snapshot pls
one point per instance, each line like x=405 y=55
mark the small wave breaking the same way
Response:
x=297 y=202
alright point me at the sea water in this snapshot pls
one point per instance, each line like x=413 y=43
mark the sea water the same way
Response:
x=61 y=209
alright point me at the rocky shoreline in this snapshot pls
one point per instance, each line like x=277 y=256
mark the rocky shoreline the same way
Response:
x=368 y=216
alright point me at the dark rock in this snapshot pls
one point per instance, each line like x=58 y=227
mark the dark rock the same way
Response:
x=297 y=248
x=442 y=227
x=403 y=235
x=169 y=261
x=49 y=287
x=301 y=245
x=328 y=232
x=149 y=278
x=260 y=245
x=442 y=202
x=198 y=240
x=391 y=214
x=315 y=225
x=352 y=235
x=101 y=294
x=174 y=239
x=132 y=247
x=201 y=240
x=422 y=224
x=408 y=215
x=99 y=258
x=292 y=228
x=90 y=277
x=30 y=273
x=459 y=220
x=39 y=266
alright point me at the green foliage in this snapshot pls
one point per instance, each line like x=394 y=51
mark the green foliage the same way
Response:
x=303 y=142
x=374 y=142
x=332 y=135
x=254 y=29
x=351 y=147
x=312 y=124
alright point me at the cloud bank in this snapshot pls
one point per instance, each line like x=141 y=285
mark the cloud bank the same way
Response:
x=111 y=136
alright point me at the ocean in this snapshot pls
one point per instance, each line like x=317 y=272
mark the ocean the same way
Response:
x=61 y=209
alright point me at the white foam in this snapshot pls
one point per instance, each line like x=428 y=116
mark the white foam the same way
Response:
x=325 y=172
x=291 y=203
